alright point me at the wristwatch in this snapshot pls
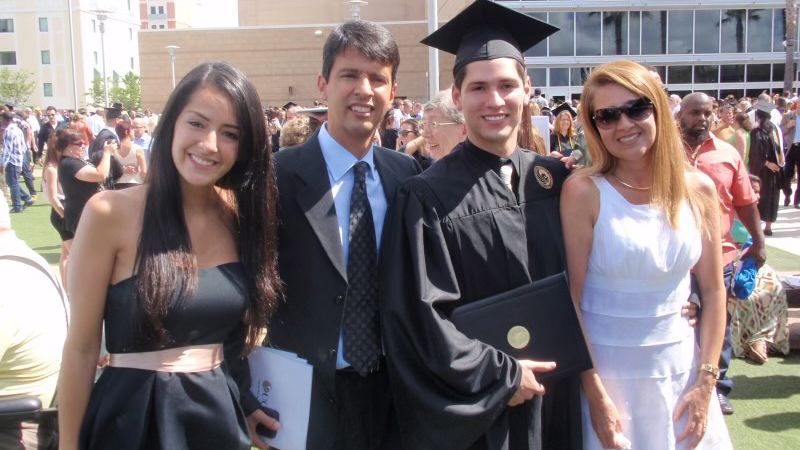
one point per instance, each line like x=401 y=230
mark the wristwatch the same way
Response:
x=710 y=368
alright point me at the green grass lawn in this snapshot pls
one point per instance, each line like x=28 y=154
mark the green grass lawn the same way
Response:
x=766 y=398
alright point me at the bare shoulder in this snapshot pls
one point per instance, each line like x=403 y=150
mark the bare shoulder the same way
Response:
x=579 y=187
x=696 y=180
x=116 y=209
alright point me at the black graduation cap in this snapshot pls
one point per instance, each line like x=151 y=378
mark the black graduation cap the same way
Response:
x=486 y=30
x=114 y=111
x=289 y=105
x=565 y=107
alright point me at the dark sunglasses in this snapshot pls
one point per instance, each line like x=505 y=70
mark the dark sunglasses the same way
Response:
x=407 y=132
x=637 y=111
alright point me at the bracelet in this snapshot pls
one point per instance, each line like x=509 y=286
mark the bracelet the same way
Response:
x=710 y=368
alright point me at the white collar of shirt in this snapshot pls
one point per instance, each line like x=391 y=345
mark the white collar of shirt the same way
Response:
x=338 y=159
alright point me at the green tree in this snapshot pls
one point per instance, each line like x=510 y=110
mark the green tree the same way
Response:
x=96 y=93
x=16 y=86
x=127 y=91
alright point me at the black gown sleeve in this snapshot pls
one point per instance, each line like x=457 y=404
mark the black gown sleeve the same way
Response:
x=449 y=389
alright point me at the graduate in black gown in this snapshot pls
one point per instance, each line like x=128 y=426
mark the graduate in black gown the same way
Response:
x=481 y=221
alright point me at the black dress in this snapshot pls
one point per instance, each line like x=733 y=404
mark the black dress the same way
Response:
x=76 y=192
x=140 y=409
x=764 y=147
x=462 y=235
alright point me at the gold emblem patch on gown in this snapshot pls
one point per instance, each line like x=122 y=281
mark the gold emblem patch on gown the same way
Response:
x=543 y=177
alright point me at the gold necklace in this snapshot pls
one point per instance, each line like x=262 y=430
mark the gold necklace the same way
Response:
x=636 y=188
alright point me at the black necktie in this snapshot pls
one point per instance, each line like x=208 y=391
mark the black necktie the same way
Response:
x=361 y=336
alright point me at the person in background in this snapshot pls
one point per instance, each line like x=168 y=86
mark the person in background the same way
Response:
x=443 y=125
x=766 y=161
x=52 y=191
x=758 y=307
x=295 y=132
x=131 y=156
x=33 y=327
x=721 y=162
x=564 y=138
x=141 y=137
x=14 y=161
x=742 y=126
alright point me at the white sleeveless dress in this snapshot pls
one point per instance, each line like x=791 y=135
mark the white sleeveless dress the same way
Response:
x=645 y=351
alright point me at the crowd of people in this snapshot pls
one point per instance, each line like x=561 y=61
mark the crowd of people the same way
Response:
x=354 y=230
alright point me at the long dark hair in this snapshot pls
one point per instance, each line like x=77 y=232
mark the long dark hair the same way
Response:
x=164 y=262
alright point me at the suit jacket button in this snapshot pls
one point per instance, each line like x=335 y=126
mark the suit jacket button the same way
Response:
x=331 y=400
x=339 y=299
x=332 y=352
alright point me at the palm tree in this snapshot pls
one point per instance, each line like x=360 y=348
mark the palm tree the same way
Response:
x=616 y=18
x=790 y=15
x=739 y=16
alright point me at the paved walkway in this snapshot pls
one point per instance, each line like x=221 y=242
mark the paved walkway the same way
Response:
x=786 y=231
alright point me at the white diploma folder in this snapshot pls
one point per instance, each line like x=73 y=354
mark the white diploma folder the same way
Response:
x=282 y=381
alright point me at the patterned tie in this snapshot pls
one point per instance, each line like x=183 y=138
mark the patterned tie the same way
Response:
x=361 y=336
x=507 y=174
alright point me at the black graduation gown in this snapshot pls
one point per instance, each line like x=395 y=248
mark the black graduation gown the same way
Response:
x=463 y=236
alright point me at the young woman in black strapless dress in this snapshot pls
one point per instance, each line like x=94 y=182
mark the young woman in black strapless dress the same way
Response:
x=181 y=271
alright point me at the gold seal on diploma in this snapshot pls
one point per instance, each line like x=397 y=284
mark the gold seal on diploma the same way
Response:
x=518 y=337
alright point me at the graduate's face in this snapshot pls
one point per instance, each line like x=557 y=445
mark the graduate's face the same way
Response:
x=205 y=144
x=491 y=97
x=358 y=91
x=628 y=139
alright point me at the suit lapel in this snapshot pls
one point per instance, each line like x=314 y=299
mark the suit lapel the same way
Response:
x=391 y=182
x=317 y=203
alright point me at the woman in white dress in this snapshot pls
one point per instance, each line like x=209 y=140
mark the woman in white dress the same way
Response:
x=638 y=220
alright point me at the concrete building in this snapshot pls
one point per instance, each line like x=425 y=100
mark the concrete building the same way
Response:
x=59 y=42
x=279 y=46
x=717 y=46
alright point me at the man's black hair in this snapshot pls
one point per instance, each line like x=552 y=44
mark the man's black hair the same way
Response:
x=368 y=38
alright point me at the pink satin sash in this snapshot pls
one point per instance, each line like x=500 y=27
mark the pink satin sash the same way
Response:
x=196 y=358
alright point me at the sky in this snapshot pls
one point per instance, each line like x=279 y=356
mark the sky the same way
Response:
x=216 y=13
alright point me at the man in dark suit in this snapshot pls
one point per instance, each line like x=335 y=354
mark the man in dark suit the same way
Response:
x=334 y=194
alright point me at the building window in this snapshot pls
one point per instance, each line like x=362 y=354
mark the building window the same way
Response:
x=559 y=76
x=152 y=10
x=759 y=30
x=680 y=32
x=538 y=76
x=48 y=89
x=707 y=39
x=654 y=32
x=540 y=49
x=635 y=33
x=778 y=72
x=45 y=56
x=679 y=74
x=733 y=25
x=95 y=58
x=161 y=27
x=587 y=37
x=131 y=63
x=778 y=30
x=130 y=34
x=562 y=43
x=578 y=75
x=8 y=58
x=43 y=26
x=615 y=33
x=161 y=10
x=153 y=27
x=758 y=72
x=94 y=26
x=731 y=73
x=6 y=25
x=706 y=74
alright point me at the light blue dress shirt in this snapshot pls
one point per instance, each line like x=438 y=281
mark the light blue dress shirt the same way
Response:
x=340 y=164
